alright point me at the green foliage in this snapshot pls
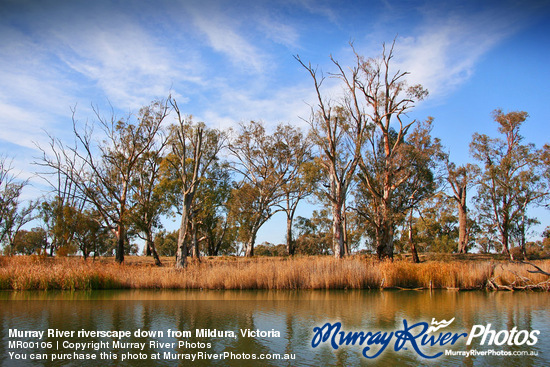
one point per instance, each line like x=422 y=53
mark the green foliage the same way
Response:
x=268 y=166
x=541 y=248
x=269 y=249
x=13 y=214
x=193 y=150
x=72 y=229
x=90 y=236
x=246 y=212
x=375 y=173
x=66 y=250
x=30 y=242
x=103 y=167
x=211 y=214
x=314 y=235
x=389 y=189
x=437 y=229
x=511 y=179
x=60 y=220
x=166 y=243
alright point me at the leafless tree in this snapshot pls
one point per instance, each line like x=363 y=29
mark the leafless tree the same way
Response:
x=338 y=130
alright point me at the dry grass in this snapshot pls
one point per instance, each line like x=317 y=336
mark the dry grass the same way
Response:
x=34 y=272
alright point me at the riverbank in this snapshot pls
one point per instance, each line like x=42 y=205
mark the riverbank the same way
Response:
x=42 y=273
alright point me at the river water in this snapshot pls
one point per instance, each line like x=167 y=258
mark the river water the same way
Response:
x=286 y=320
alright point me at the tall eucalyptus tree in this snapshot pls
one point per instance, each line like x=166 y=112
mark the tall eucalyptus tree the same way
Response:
x=511 y=179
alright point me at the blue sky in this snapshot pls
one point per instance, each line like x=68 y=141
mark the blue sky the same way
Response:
x=231 y=61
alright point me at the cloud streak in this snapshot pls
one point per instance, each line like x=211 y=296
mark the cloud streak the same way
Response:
x=222 y=33
x=445 y=48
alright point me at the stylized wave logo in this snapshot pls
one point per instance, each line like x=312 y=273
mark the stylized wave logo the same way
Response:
x=439 y=325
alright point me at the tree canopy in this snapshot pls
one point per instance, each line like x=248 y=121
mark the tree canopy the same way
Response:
x=379 y=180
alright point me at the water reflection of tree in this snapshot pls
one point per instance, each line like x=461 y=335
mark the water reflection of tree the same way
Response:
x=295 y=313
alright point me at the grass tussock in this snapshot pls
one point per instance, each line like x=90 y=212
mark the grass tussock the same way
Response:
x=39 y=273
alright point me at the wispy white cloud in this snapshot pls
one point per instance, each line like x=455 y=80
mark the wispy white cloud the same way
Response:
x=55 y=59
x=443 y=51
x=235 y=105
x=19 y=126
x=223 y=34
x=279 y=32
x=321 y=7
x=127 y=63
x=112 y=51
x=33 y=96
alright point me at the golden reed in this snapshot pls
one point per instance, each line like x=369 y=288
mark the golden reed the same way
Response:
x=42 y=273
